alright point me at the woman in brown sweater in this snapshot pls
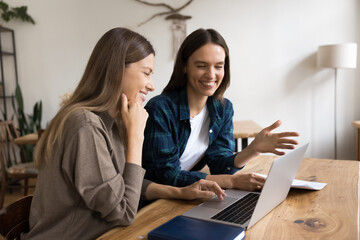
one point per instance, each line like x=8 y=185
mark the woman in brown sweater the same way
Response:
x=89 y=158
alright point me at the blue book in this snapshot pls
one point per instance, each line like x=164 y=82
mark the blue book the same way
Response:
x=186 y=228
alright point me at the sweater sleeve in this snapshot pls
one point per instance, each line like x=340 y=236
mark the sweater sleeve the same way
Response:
x=103 y=189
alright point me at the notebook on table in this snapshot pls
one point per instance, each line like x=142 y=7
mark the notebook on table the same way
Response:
x=185 y=228
x=244 y=208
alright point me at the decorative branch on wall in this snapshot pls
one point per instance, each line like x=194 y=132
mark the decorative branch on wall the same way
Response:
x=178 y=21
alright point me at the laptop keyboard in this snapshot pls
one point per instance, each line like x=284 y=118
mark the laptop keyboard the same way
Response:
x=240 y=211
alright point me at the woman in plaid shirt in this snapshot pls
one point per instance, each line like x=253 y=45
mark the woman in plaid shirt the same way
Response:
x=190 y=124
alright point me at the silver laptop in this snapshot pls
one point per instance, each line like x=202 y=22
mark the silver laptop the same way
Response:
x=244 y=208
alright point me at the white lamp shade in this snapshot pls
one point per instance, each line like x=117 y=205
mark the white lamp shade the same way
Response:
x=337 y=56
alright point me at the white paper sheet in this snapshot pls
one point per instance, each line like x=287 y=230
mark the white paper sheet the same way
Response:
x=303 y=184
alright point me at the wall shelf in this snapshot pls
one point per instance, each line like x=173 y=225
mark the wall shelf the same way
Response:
x=8 y=54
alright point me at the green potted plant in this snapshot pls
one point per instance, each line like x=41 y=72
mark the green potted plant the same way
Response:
x=8 y=13
x=28 y=123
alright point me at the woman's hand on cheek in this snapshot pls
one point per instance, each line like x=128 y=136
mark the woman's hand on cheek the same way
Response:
x=134 y=117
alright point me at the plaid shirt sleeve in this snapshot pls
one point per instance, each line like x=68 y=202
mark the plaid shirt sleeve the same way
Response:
x=165 y=136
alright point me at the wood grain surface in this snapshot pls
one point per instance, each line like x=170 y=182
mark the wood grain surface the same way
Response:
x=331 y=213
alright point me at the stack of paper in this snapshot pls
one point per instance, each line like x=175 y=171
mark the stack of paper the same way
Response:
x=303 y=184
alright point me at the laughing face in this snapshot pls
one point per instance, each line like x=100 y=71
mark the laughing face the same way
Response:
x=205 y=70
x=137 y=79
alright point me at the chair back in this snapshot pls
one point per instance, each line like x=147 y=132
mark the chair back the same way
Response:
x=3 y=179
x=12 y=153
x=12 y=157
x=14 y=219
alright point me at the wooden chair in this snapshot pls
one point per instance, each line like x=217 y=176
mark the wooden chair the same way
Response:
x=13 y=166
x=14 y=219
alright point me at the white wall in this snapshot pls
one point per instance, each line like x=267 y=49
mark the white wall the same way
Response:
x=272 y=43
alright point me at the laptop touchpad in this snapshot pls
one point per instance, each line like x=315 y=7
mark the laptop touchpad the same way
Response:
x=216 y=203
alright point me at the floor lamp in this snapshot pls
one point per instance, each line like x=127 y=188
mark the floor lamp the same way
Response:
x=337 y=56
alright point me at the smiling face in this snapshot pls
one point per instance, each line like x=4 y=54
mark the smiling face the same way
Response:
x=137 y=79
x=205 y=71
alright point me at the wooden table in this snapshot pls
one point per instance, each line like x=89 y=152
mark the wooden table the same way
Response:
x=31 y=138
x=245 y=129
x=331 y=213
x=242 y=129
x=357 y=126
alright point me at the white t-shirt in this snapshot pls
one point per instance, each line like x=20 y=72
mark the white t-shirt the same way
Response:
x=198 y=140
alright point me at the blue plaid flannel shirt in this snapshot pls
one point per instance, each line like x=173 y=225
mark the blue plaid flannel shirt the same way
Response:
x=167 y=132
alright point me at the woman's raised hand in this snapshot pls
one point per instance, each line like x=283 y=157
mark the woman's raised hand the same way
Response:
x=268 y=142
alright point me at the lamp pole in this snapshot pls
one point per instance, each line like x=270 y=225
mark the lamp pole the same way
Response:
x=335 y=138
x=336 y=56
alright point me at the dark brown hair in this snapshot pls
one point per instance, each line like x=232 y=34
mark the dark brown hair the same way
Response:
x=191 y=43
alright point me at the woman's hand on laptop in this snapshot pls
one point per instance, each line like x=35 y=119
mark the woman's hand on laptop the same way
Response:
x=243 y=181
x=202 y=190
x=247 y=181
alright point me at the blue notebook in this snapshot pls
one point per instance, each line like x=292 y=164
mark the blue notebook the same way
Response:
x=181 y=228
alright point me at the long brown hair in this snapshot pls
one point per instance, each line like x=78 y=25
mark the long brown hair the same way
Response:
x=100 y=87
x=191 y=43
